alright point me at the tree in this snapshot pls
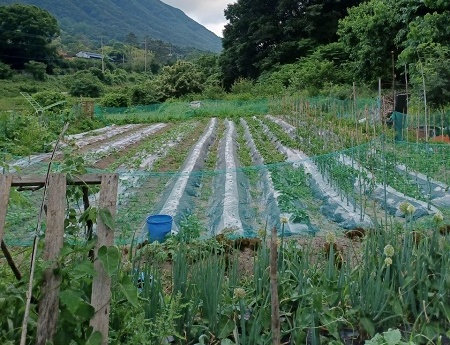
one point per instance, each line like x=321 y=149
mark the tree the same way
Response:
x=368 y=34
x=408 y=28
x=85 y=84
x=261 y=34
x=427 y=53
x=181 y=79
x=131 y=39
x=26 y=33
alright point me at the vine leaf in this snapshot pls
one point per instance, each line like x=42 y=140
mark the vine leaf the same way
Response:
x=95 y=339
x=129 y=290
x=107 y=218
x=392 y=336
x=110 y=258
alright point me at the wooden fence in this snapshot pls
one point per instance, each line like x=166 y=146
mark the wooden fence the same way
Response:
x=56 y=207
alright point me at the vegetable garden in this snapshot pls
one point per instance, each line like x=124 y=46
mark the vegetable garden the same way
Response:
x=363 y=221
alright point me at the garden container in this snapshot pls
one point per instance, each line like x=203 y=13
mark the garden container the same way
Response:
x=158 y=226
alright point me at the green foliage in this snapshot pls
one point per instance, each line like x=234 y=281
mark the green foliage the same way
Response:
x=27 y=33
x=180 y=79
x=390 y=337
x=23 y=134
x=378 y=30
x=148 y=92
x=46 y=98
x=243 y=88
x=261 y=35
x=213 y=92
x=85 y=85
x=367 y=35
x=36 y=69
x=110 y=258
x=427 y=51
x=5 y=71
x=115 y=100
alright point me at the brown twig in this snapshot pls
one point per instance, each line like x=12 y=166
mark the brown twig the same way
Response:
x=276 y=338
x=10 y=261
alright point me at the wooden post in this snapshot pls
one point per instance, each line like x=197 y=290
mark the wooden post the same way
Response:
x=56 y=205
x=101 y=285
x=275 y=304
x=54 y=238
x=5 y=187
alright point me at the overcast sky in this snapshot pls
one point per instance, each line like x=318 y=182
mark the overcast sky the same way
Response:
x=209 y=13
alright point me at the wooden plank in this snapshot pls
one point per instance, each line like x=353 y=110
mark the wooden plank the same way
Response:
x=39 y=180
x=54 y=238
x=101 y=285
x=5 y=187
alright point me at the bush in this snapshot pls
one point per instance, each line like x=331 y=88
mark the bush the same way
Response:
x=148 y=93
x=115 y=100
x=242 y=86
x=5 y=71
x=213 y=92
x=46 y=98
x=85 y=85
x=105 y=77
x=36 y=69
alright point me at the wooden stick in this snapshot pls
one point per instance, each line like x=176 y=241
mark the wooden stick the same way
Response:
x=101 y=284
x=10 y=261
x=5 y=187
x=276 y=337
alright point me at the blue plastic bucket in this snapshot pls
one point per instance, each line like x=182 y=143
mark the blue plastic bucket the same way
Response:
x=158 y=226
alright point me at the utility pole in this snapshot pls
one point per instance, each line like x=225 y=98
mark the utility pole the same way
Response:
x=103 y=57
x=145 y=55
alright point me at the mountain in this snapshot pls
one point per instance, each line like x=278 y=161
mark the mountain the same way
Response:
x=114 y=19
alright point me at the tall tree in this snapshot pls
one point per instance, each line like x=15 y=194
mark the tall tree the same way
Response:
x=368 y=34
x=261 y=33
x=408 y=28
x=26 y=33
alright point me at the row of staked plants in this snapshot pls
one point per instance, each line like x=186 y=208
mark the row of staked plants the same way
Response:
x=195 y=292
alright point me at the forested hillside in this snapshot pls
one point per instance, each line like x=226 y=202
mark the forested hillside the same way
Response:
x=114 y=19
x=316 y=44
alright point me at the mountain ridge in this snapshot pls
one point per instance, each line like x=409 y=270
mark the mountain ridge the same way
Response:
x=114 y=19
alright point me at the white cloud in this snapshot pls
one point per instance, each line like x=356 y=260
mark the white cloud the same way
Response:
x=209 y=13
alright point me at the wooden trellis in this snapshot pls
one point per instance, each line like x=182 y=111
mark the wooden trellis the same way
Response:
x=56 y=201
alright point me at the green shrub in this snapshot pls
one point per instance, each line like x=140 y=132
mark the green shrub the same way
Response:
x=84 y=84
x=213 y=92
x=104 y=77
x=36 y=69
x=5 y=71
x=147 y=93
x=115 y=100
x=46 y=98
x=242 y=86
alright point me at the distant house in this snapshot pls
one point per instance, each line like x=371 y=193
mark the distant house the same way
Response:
x=89 y=55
